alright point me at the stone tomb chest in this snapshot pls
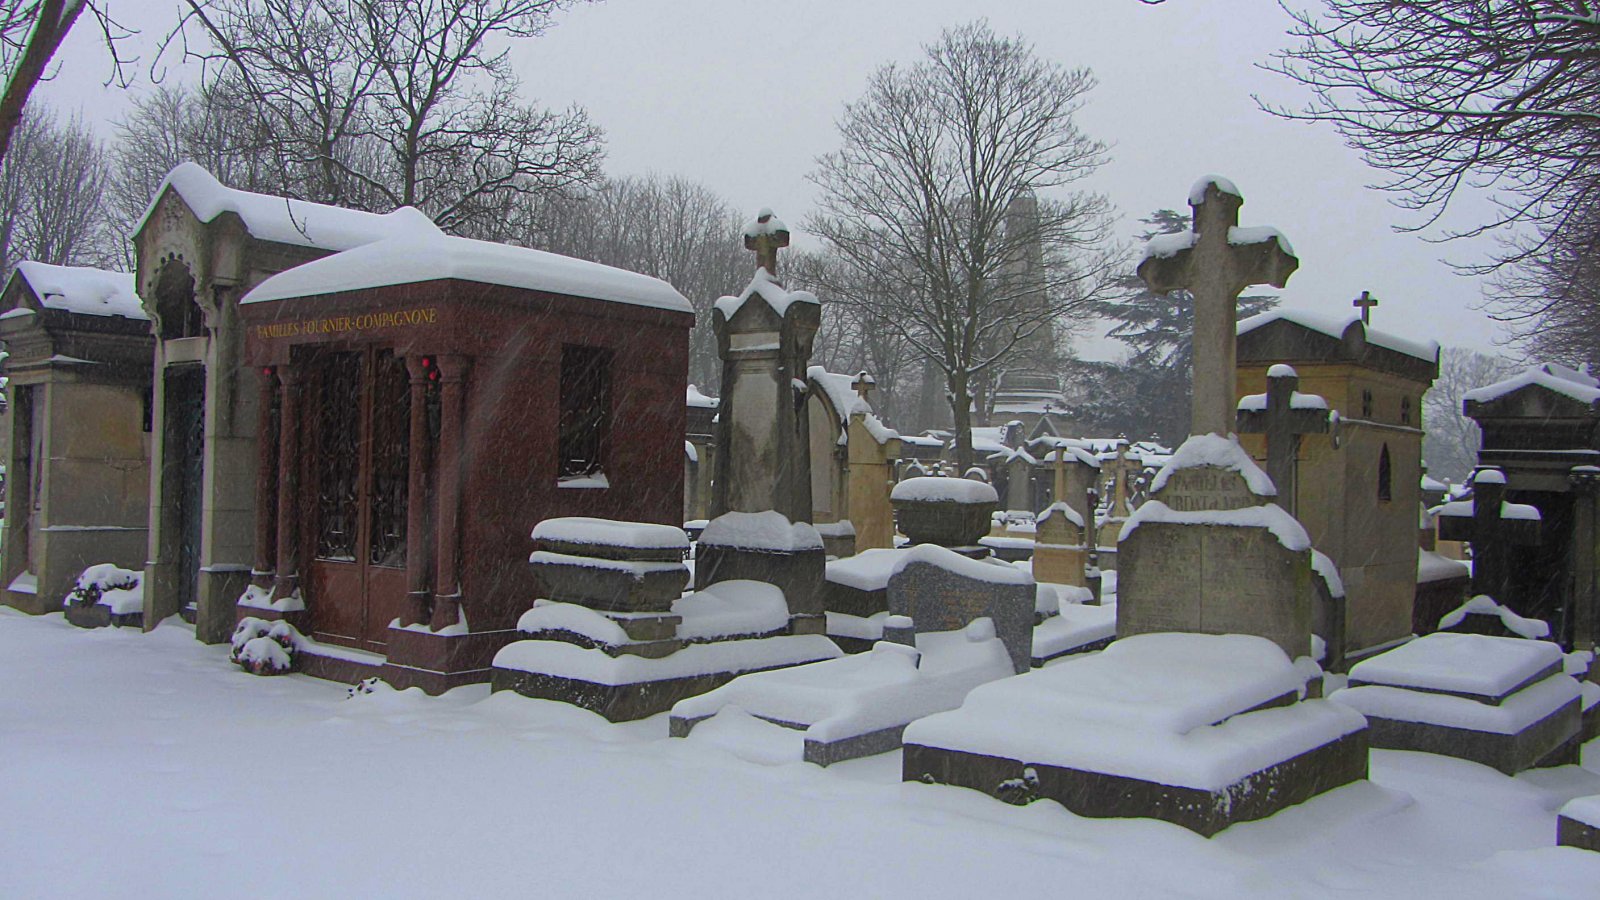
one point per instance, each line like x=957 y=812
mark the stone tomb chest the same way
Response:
x=1209 y=553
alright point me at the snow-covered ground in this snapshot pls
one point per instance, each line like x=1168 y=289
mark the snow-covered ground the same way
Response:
x=147 y=766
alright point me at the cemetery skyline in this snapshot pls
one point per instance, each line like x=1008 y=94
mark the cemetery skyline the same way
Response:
x=744 y=105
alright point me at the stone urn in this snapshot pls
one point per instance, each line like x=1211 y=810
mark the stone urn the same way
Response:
x=950 y=512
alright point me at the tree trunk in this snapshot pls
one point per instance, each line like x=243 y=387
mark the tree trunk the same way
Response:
x=961 y=415
x=55 y=20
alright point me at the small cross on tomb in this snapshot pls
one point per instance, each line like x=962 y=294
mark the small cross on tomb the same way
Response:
x=766 y=235
x=1283 y=414
x=864 y=384
x=1366 y=302
x=1493 y=527
x=1214 y=262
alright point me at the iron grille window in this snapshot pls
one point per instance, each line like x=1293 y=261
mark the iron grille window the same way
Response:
x=585 y=426
x=391 y=459
x=339 y=457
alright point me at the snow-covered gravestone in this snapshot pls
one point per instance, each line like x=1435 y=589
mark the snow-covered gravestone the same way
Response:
x=613 y=633
x=1500 y=701
x=763 y=464
x=1215 y=261
x=1209 y=552
x=1494 y=527
x=941 y=590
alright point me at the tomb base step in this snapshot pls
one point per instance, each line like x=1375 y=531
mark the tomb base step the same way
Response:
x=1101 y=795
x=629 y=687
x=1578 y=824
x=98 y=616
x=1509 y=753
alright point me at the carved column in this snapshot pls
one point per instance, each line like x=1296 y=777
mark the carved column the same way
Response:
x=266 y=485
x=418 y=556
x=288 y=573
x=447 y=541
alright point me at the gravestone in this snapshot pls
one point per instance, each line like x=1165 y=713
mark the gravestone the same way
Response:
x=1495 y=528
x=941 y=590
x=764 y=337
x=1208 y=553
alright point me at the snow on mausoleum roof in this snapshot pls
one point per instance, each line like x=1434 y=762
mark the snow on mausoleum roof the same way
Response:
x=278 y=219
x=1579 y=386
x=1335 y=327
x=417 y=251
x=81 y=289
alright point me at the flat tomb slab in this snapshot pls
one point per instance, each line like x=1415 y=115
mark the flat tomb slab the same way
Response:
x=627 y=687
x=1078 y=629
x=857 y=705
x=1476 y=666
x=1256 y=795
x=1514 y=735
x=1203 y=712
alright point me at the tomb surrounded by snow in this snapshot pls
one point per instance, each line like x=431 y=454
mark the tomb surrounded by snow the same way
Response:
x=1199 y=730
x=77 y=459
x=1504 y=702
x=497 y=387
x=613 y=633
x=1209 y=552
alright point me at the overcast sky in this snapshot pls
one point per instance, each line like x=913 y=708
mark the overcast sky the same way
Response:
x=744 y=96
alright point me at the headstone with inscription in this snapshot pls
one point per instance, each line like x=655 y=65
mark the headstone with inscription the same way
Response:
x=1209 y=552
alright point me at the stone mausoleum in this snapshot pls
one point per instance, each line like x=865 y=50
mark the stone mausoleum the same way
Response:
x=200 y=247
x=1359 y=500
x=422 y=402
x=78 y=457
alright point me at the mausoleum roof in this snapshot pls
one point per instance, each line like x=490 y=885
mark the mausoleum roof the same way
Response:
x=417 y=251
x=1568 y=382
x=1337 y=328
x=81 y=289
x=278 y=219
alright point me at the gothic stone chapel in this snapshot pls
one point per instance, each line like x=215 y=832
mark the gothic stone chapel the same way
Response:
x=424 y=400
x=198 y=249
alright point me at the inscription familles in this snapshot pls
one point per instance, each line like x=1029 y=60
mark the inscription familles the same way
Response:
x=405 y=318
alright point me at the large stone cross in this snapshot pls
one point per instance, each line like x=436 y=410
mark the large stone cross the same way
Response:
x=1283 y=414
x=1492 y=534
x=766 y=235
x=1214 y=262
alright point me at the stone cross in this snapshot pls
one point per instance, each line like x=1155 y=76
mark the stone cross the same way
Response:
x=1215 y=262
x=1283 y=421
x=864 y=384
x=1491 y=534
x=1122 y=467
x=1584 y=613
x=766 y=235
x=1366 y=302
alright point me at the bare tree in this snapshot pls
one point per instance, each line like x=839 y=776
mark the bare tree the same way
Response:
x=1451 y=440
x=1449 y=95
x=51 y=186
x=31 y=31
x=916 y=205
x=850 y=339
x=377 y=104
x=670 y=228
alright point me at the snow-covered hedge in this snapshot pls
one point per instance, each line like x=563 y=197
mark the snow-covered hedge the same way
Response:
x=122 y=590
x=263 y=647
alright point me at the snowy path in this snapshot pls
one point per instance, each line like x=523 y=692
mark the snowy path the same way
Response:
x=146 y=765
